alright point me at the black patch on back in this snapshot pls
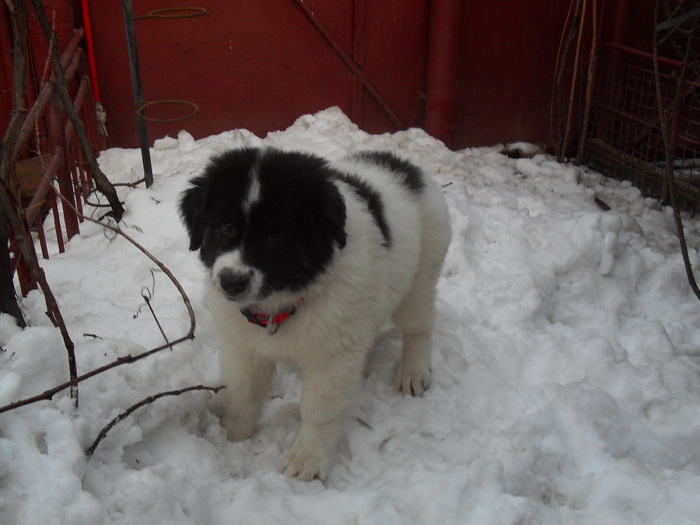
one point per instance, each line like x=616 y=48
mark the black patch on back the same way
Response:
x=408 y=174
x=373 y=201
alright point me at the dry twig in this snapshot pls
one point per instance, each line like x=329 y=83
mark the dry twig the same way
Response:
x=557 y=105
x=13 y=214
x=98 y=176
x=592 y=62
x=20 y=53
x=91 y=450
x=48 y=394
x=668 y=140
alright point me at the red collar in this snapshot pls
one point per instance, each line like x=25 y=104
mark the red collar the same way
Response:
x=269 y=322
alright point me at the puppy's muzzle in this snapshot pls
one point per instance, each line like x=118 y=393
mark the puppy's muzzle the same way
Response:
x=235 y=284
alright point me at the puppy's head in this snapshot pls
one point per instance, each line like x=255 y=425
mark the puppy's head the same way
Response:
x=264 y=221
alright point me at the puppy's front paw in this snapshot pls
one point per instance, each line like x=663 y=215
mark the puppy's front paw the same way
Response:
x=414 y=380
x=306 y=461
x=238 y=429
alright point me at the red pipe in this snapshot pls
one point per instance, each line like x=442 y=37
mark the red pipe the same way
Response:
x=443 y=54
x=620 y=21
x=618 y=34
x=641 y=53
x=90 y=50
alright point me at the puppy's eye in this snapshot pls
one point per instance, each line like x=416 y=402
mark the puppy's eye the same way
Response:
x=274 y=237
x=227 y=227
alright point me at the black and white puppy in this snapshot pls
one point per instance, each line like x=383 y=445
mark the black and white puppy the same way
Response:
x=307 y=259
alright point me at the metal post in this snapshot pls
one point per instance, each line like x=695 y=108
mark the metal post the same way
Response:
x=136 y=85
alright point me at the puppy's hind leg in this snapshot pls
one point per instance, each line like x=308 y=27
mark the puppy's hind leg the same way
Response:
x=248 y=379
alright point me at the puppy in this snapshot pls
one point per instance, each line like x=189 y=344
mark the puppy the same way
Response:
x=306 y=260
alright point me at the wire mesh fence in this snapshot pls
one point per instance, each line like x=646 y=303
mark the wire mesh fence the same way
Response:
x=625 y=140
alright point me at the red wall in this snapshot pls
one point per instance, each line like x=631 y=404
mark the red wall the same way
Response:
x=506 y=70
x=62 y=17
x=260 y=64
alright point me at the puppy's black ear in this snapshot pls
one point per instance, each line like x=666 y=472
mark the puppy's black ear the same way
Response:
x=191 y=211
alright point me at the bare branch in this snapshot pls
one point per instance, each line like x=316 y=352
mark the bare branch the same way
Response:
x=90 y=451
x=668 y=142
x=8 y=299
x=592 y=62
x=146 y=294
x=99 y=177
x=48 y=394
x=13 y=214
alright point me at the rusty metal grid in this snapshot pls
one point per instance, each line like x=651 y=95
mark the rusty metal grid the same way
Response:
x=625 y=140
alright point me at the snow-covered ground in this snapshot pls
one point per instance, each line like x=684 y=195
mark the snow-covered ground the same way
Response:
x=566 y=360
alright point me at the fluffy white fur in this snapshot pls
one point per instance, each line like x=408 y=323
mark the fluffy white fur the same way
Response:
x=338 y=319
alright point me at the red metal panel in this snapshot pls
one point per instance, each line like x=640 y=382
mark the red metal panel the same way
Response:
x=395 y=54
x=259 y=65
x=507 y=64
x=443 y=52
x=242 y=64
x=337 y=17
x=5 y=69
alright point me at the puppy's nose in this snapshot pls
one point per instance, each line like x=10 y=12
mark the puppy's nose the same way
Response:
x=234 y=283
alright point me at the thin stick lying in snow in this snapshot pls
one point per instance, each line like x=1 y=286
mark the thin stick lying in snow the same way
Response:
x=90 y=451
x=47 y=395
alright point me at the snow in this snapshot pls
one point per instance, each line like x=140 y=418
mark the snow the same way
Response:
x=566 y=359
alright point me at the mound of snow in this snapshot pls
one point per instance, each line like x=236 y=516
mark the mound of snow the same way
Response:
x=566 y=361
